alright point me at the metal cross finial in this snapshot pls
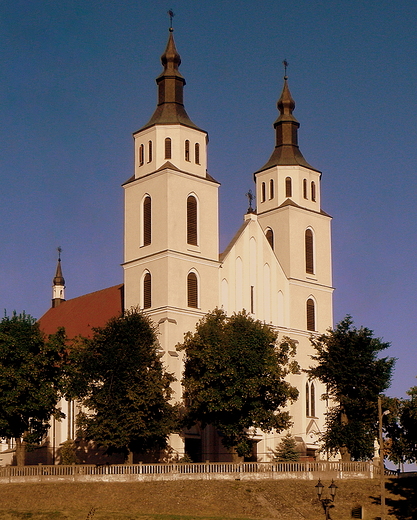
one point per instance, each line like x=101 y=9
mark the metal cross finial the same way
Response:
x=171 y=16
x=250 y=197
x=59 y=249
x=285 y=63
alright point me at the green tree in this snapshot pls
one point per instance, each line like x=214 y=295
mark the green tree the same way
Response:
x=234 y=377
x=401 y=428
x=123 y=386
x=347 y=363
x=31 y=372
x=287 y=450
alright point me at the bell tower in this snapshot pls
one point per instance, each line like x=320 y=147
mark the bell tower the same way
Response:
x=171 y=256
x=289 y=212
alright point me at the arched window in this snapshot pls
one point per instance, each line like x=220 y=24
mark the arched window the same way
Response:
x=192 y=220
x=305 y=189
x=167 y=148
x=307 y=399
x=270 y=237
x=271 y=189
x=263 y=192
x=309 y=251
x=187 y=150
x=313 y=191
x=312 y=400
x=311 y=315
x=288 y=187
x=147 y=291
x=192 y=290
x=197 y=153
x=147 y=220
x=141 y=154
x=150 y=151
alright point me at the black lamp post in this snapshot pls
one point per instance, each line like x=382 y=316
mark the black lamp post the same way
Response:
x=326 y=502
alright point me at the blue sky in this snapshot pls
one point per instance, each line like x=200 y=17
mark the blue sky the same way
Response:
x=77 y=79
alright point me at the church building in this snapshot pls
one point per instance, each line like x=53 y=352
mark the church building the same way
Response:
x=277 y=267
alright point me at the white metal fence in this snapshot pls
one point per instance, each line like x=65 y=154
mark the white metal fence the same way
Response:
x=205 y=470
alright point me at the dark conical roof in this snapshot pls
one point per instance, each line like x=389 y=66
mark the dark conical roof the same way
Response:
x=170 y=108
x=58 y=278
x=286 y=152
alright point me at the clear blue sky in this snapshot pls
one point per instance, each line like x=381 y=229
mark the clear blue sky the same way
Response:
x=77 y=78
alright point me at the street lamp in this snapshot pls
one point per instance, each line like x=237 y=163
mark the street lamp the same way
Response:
x=326 y=502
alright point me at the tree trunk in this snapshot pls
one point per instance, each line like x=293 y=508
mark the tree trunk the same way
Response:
x=129 y=457
x=344 y=452
x=235 y=457
x=20 y=452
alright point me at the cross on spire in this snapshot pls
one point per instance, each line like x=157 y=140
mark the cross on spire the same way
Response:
x=250 y=197
x=171 y=16
x=285 y=63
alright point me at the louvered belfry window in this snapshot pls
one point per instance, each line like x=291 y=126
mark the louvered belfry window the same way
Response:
x=192 y=220
x=147 y=221
x=305 y=188
x=270 y=237
x=309 y=247
x=147 y=291
x=141 y=155
x=149 y=151
x=311 y=318
x=288 y=187
x=192 y=290
x=167 y=148
x=263 y=192
x=271 y=188
x=197 y=153
x=187 y=150
x=313 y=191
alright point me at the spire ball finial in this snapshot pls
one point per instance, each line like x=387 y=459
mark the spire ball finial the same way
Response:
x=171 y=15
x=59 y=249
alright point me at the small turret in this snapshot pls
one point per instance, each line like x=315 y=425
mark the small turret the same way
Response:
x=58 y=284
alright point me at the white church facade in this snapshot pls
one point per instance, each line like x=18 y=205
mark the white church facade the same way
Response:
x=277 y=267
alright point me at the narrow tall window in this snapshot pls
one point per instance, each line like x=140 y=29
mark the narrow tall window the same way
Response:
x=147 y=291
x=187 y=150
x=197 y=153
x=192 y=290
x=312 y=400
x=313 y=191
x=305 y=189
x=252 y=302
x=270 y=237
x=192 y=220
x=141 y=155
x=288 y=187
x=309 y=250
x=150 y=151
x=263 y=192
x=307 y=399
x=271 y=189
x=147 y=221
x=167 y=148
x=311 y=318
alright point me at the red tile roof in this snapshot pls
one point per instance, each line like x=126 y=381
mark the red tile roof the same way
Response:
x=81 y=314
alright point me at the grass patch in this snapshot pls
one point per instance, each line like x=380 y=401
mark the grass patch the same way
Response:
x=203 y=500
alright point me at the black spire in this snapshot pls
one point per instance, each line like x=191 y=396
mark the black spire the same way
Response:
x=286 y=126
x=170 y=108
